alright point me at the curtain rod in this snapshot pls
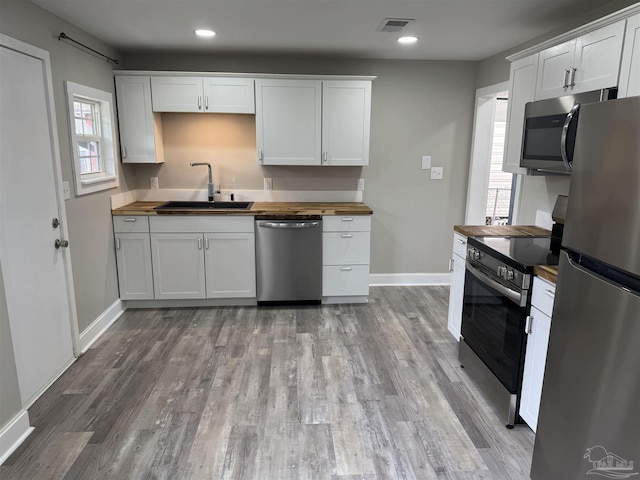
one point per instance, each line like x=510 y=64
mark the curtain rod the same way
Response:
x=64 y=36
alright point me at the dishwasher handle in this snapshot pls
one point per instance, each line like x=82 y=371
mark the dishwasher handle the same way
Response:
x=289 y=225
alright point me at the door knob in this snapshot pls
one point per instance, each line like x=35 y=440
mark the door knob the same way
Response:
x=61 y=243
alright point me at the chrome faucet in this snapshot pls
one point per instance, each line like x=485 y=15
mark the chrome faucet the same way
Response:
x=210 y=187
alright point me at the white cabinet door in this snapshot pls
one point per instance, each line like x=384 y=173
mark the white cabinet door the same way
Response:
x=178 y=265
x=140 y=129
x=288 y=121
x=230 y=265
x=597 y=58
x=630 y=68
x=133 y=257
x=228 y=95
x=554 y=69
x=346 y=118
x=177 y=94
x=456 y=291
x=534 y=365
x=522 y=89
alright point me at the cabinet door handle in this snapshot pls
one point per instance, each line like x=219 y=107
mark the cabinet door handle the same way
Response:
x=199 y=244
x=528 y=327
x=565 y=82
x=551 y=293
x=451 y=264
x=346 y=235
x=206 y=244
x=572 y=77
x=346 y=269
x=260 y=156
x=130 y=219
x=199 y=102
x=124 y=152
x=206 y=102
x=117 y=244
x=325 y=156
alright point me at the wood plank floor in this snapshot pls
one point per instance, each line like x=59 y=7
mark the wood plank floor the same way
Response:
x=333 y=392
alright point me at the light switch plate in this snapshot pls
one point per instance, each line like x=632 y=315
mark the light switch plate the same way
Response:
x=268 y=184
x=66 y=191
x=360 y=184
x=153 y=183
x=426 y=162
x=437 y=173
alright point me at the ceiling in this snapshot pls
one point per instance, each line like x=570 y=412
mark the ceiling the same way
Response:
x=447 y=29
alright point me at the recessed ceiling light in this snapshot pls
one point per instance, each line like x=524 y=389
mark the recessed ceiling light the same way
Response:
x=407 y=40
x=205 y=33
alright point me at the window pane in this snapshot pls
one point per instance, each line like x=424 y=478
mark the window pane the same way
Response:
x=78 y=122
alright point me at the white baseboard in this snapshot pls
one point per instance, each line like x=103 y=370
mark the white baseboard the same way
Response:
x=339 y=300
x=99 y=325
x=409 y=279
x=13 y=434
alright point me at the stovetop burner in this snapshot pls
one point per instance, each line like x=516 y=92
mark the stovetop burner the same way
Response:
x=522 y=253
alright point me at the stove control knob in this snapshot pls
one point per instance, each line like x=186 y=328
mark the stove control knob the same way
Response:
x=470 y=252
x=476 y=254
x=501 y=272
x=509 y=274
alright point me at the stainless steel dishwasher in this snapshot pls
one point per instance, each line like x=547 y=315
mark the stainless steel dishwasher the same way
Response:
x=289 y=260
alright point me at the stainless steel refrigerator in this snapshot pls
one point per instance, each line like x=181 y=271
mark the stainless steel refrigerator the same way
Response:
x=589 y=422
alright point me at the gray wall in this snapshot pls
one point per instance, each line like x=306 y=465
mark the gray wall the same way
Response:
x=10 y=402
x=90 y=231
x=538 y=193
x=418 y=108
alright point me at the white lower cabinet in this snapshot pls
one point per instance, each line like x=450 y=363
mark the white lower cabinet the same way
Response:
x=538 y=328
x=133 y=257
x=203 y=257
x=456 y=291
x=345 y=255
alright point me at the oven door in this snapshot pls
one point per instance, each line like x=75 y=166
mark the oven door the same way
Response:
x=493 y=320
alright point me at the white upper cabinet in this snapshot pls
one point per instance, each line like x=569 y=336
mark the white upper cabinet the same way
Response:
x=288 y=121
x=589 y=62
x=522 y=89
x=346 y=117
x=181 y=93
x=630 y=69
x=140 y=129
x=313 y=122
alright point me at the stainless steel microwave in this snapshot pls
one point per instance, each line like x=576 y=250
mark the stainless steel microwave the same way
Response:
x=550 y=127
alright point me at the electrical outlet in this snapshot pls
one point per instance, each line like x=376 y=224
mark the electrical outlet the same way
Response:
x=268 y=184
x=153 y=183
x=437 y=173
x=360 y=184
x=66 y=191
x=426 y=162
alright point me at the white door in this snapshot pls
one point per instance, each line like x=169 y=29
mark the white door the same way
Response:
x=36 y=274
x=230 y=265
x=346 y=118
x=178 y=265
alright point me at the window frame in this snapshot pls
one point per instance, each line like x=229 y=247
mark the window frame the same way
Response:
x=108 y=178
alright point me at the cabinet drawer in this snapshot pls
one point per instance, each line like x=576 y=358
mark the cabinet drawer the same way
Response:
x=345 y=280
x=345 y=248
x=542 y=295
x=460 y=245
x=346 y=223
x=131 y=224
x=202 y=223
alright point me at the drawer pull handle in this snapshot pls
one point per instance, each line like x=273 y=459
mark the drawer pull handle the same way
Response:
x=347 y=219
x=345 y=269
x=346 y=235
x=551 y=293
x=528 y=328
x=461 y=242
x=130 y=219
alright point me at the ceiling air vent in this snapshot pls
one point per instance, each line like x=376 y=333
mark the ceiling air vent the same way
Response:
x=394 y=25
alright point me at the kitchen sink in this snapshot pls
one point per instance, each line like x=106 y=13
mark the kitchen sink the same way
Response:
x=190 y=205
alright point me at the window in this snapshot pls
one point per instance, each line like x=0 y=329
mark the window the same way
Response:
x=92 y=132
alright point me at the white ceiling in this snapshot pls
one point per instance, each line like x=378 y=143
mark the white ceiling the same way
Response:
x=448 y=29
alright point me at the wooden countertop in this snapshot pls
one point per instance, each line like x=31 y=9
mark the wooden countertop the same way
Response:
x=501 y=231
x=298 y=209
x=547 y=272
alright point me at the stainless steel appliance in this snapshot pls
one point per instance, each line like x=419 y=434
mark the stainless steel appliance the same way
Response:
x=549 y=133
x=589 y=422
x=289 y=260
x=496 y=304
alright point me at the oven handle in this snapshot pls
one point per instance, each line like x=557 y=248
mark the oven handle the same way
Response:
x=513 y=295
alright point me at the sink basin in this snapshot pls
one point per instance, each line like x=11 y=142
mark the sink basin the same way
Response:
x=189 y=205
